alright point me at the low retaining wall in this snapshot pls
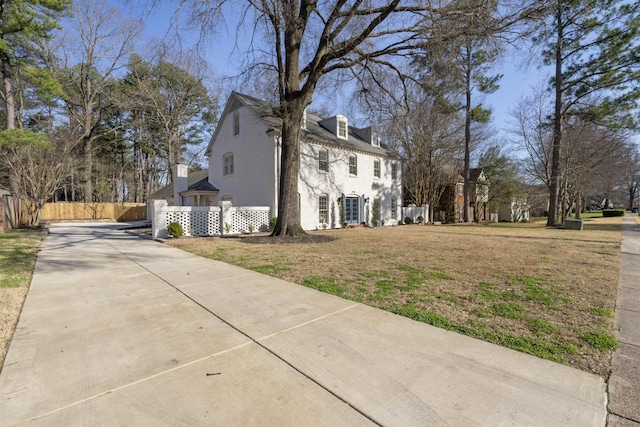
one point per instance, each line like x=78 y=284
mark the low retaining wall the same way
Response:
x=573 y=224
x=209 y=220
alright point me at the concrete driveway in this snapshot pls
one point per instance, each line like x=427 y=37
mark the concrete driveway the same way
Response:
x=121 y=330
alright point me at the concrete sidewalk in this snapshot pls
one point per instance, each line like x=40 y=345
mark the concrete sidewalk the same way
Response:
x=120 y=330
x=624 y=381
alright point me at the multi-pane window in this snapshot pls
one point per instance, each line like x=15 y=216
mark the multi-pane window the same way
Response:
x=375 y=138
x=353 y=165
x=342 y=129
x=394 y=207
x=460 y=189
x=323 y=203
x=376 y=168
x=394 y=171
x=323 y=160
x=236 y=123
x=228 y=164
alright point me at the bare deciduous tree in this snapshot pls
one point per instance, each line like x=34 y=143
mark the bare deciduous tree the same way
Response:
x=307 y=40
x=40 y=166
x=92 y=50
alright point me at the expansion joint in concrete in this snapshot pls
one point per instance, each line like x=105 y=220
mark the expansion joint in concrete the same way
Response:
x=257 y=341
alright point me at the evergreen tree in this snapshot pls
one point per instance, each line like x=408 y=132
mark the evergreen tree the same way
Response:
x=593 y=47
x=24 y=24
x=459 y=55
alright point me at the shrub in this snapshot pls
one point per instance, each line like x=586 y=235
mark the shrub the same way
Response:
x=175 y=229
x=408 y=220
x=612 y=212
x=420 y=219
x=375 y=217
x=272 y=223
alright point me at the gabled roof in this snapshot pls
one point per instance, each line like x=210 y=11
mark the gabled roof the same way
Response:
x=475 y=173
x=196 y=181
x=202 y=185
x=314 y=132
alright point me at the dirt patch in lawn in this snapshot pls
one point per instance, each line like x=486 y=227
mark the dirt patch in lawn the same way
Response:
x=18 y=251
x=542 y=291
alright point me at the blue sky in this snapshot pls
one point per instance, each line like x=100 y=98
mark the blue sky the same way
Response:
x=517 y=80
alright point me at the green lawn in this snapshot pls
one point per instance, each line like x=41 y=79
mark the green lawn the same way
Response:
x=18 y=252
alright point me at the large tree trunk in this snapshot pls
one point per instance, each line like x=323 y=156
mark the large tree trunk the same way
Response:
x=8 y=90
x=467 y=140
x=578 y=205
x=293 y=101
x=10 y=111
x=87 y=185
x=288 y=223
x=554 y=185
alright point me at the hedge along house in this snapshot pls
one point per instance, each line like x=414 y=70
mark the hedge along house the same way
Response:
x=345 y=173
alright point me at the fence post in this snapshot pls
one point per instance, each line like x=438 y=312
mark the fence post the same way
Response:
x=425 y=208
x=225 y=213
x=159 y=219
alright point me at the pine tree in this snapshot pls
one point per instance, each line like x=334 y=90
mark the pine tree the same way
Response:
x=593 y=46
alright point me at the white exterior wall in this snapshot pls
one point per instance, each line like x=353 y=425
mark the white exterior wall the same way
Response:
x=337 y=182
x=253 y=180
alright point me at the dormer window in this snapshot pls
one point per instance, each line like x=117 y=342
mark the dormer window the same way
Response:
x=343 y=128
x=375 y=138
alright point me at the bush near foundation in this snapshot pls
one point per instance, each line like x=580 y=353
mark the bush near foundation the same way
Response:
x=175 y=230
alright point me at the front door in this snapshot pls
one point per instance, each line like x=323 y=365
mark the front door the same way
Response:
x=351 y=210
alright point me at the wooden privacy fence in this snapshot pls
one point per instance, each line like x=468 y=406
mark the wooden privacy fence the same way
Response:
x=74 y=211
x=12 y=213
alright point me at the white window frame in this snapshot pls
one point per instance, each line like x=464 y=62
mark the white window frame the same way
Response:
x=343 y=128
x=353 y=168
x=236 y=123
x=323 y=209
x=323 y=163
x=375 y=138
x=394 y=207
x=376 y=168
x=228 y=164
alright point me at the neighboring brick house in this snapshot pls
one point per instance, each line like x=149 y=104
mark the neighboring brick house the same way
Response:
x=345 y=172
x=452 y=201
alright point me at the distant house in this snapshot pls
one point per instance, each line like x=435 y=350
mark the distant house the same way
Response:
x=517 y=211
x=345 y=172
x=452 y=201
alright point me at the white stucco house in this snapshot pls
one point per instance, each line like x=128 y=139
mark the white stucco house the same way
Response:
x=344 y=171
